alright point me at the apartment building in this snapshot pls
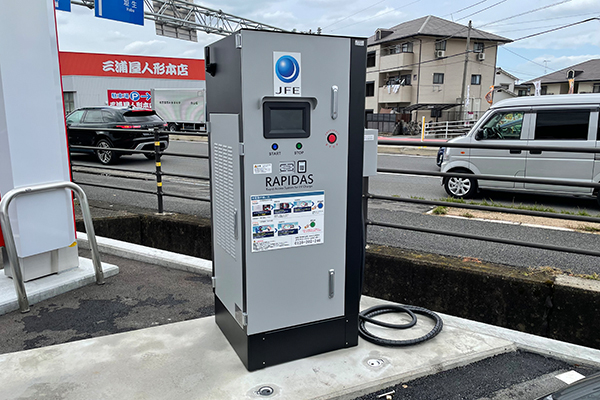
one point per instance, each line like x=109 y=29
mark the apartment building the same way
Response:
x=416 y=69
x=585 y=78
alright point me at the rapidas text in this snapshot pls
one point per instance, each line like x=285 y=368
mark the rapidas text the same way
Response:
x=289 y=180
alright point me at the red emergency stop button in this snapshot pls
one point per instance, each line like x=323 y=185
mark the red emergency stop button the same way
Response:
x=331 y=138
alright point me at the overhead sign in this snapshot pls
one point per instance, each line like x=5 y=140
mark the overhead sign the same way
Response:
x=179 y=12
x=133 y=98
x=88 y=64
x=130 y=11
x=62 y=5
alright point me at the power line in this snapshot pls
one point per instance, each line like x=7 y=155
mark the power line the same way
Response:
x=526 y=12
x=525 y=58
x=556 y=29
x=529 y=29
x=487 y=47
x=483 y=9
x=548 y=19
x=466 y=8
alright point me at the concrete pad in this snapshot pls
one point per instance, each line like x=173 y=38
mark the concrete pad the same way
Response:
x=148 y=255
x=51 y=285
x=192 y=359
x=569 y=352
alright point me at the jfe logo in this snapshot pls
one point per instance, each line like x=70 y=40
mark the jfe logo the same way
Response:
x=287 y=69
x=287 y=74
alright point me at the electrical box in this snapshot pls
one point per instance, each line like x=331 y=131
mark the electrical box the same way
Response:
x=370 y=153
x=286 y=115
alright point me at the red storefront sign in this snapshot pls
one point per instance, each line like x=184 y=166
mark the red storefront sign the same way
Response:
x=126 y=98
x=88 y=64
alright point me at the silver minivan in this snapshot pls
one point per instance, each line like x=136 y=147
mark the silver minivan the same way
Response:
x=565 y=121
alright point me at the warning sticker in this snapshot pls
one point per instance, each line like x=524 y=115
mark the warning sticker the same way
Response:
x=262 y=168
x=287 y=220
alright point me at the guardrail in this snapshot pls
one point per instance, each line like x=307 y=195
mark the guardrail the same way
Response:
x=367 y=196
x=158 y=173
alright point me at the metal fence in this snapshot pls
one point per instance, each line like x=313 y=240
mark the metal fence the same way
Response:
x=556 y=182
x=448 y=129
x=384 y=123
x=158 y=173
x=367 y=196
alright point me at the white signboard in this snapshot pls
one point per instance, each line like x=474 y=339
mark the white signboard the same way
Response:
x=287 y=74
x=282 y=221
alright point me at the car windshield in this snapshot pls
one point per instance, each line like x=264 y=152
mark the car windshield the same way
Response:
x=141 y=116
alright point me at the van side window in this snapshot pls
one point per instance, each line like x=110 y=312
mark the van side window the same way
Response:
x=562 y=125
x=504 y=126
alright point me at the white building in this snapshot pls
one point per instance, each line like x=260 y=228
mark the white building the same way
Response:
x=417 y=68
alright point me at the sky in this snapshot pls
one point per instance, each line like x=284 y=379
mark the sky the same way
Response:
x=525 y=58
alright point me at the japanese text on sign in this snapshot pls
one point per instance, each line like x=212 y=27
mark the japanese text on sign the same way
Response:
x=135 y=67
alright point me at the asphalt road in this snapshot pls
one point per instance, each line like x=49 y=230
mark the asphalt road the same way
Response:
x=510 y=376
x=401 y=186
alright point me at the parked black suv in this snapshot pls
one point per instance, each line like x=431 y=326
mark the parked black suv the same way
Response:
x=89 y=126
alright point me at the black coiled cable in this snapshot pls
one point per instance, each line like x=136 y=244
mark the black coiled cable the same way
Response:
x=368 y=314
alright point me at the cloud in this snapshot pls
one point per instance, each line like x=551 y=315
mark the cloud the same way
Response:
x=558 y=63
x=568 y=38
x=149 y=47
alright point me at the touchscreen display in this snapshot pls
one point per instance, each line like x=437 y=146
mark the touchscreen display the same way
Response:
x=286 y=119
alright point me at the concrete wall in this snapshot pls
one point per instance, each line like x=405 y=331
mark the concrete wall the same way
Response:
x=559 y=307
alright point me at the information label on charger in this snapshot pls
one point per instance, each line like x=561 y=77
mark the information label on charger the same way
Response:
x=287 y=220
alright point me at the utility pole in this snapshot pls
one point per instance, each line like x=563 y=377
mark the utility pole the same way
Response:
x=464 y=81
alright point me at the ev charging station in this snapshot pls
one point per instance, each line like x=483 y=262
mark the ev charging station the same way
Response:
x=286 y=116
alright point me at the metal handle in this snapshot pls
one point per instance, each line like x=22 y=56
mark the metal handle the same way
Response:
x=334 y=102
x=535 y=151
x=515 y=151
x=235 y=224
x=331 y=283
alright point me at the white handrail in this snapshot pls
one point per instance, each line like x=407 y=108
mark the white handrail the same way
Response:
x=9 y=240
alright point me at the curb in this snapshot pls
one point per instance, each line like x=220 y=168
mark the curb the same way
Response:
x=148 y=255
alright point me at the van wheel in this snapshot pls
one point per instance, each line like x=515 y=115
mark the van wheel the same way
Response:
x=462 y=188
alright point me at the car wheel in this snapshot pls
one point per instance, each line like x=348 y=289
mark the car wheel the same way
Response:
x=172 y=127
x=106 y=157
x=462 y=188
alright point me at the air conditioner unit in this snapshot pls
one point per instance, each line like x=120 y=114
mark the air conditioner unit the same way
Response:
x=481 y=56
x=440 y=53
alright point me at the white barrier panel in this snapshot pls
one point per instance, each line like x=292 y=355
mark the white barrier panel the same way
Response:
x=33 y=144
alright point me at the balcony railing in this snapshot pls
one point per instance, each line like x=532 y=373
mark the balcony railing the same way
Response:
x=395 y=94
x=395 y=61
